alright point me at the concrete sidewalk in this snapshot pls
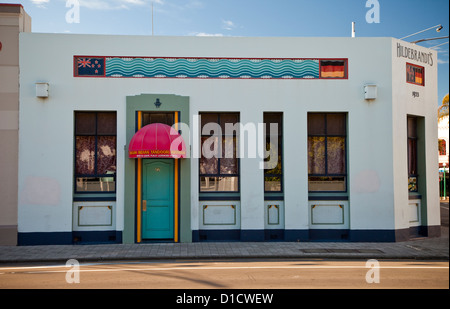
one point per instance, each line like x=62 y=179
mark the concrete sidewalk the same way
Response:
x=421 y=249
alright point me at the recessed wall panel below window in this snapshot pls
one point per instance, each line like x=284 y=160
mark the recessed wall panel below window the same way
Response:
x=96 y=216
x=329 y=214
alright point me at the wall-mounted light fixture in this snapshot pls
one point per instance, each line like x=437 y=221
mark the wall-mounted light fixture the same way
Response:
x=157 y=103
x=437 y=27
x=370 y=92
x=42 y=90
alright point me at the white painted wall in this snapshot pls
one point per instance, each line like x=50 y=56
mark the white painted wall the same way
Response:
x=424 y=106
x=46 y=126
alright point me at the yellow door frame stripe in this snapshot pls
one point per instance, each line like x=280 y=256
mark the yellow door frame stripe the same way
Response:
x=176 y=188
x=139 y=188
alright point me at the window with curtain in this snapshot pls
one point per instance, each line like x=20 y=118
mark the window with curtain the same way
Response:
x=95 y=152
x=273 y=176
x=327 y=133
x=412 y=154
x=219 y=163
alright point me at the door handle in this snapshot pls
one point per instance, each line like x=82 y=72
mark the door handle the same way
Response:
x=144 y=205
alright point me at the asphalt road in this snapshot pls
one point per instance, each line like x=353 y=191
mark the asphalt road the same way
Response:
x=312 y=274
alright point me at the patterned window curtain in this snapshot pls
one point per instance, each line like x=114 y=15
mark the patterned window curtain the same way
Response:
x=316 y=155
x=336 y=155
x=85 y=155
x=412 y=157
x=209 y=163
x=106 y=155
x=228 y=163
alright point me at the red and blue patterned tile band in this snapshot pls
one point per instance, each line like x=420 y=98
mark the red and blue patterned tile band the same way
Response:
x=197 y=68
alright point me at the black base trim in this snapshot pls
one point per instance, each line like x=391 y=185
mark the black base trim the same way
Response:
x=317 y=235
x=68 y=238
x=216 y=235
x=97 y=237
x=44 y=238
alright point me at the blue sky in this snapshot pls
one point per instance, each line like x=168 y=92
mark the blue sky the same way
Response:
x=292 y=18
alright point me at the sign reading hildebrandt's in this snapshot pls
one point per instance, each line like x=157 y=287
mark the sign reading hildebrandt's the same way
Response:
x=414 y=54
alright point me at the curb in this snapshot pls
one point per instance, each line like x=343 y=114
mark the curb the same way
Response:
x=336 y=256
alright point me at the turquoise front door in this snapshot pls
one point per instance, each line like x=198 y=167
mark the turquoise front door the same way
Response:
x=158 y=199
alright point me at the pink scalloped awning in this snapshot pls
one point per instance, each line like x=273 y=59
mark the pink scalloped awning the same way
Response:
x=157 y=140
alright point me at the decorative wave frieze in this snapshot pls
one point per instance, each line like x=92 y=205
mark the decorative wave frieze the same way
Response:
x=207 y=68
